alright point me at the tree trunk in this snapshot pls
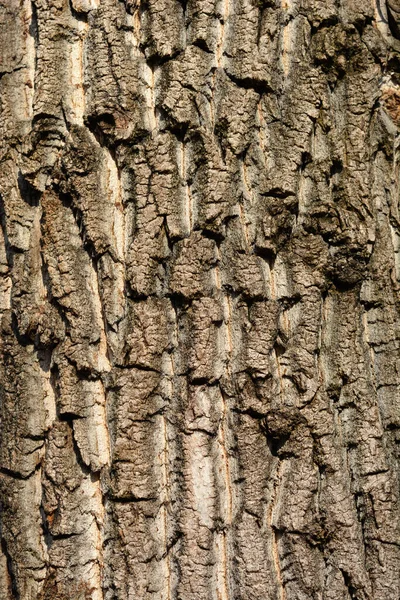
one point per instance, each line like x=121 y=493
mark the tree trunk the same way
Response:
x=199 y=294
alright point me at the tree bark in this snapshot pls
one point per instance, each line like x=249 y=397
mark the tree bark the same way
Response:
x=199 y=296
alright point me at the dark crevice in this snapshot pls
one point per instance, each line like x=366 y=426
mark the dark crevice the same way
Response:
x=178 y=129
x=249 y=83
x=84 y=467
x=102 y=127
x=279 y=348
x=179 y=302
x=193 y=430
x=68 y=201
x=64 y=536
x=363 y=22
x=138 y=366
x=200 y=381
x=184 y=4
x=306 y=159
x=45 y=125
x=3 y=73
x=351 y=589
x=336 y=167
x=17 y=475
x=48 y=538
x=68 y=417
x=173 y=542
x=324 y=24
x=79 y=16
x=393 y=25
x=156 y=60
x=34 y=438
x=28 y=192
x=23 y=339
x=392 y=426
x=260 y=23
x=345 y=286
x=276 y=444
x=267 y=254
x=287 y=302
x=278 y=193
x=202 y=44
x=211 y=234
x=34 y=28
x=135 y=296
x=251 y=412
x=129 y=498
x=3 y=225
x=10 y=570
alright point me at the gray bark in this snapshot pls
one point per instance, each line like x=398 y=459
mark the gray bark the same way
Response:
x=199 y=296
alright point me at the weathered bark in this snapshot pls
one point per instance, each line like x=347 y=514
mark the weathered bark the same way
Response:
x=199 y=295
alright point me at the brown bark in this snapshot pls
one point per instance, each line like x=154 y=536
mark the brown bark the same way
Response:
x=199 y=296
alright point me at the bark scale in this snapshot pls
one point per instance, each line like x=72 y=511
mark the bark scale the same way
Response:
x=199 y=295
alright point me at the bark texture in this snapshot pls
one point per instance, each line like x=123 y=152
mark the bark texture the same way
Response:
x=199 y=295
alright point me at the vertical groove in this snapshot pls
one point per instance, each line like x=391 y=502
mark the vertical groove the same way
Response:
x=165 y=503
x=270 y=521
x=76 y=67
x=227 y=510
x=246 y=197
x=189 y=207
x=31 y=42
x=222 y=32
x=219 y=51
x=152 y=98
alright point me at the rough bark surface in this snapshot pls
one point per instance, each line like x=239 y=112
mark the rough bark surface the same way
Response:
x=199 y=294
